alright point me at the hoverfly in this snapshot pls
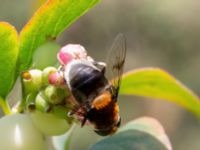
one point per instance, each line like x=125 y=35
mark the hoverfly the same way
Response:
x=94 y=94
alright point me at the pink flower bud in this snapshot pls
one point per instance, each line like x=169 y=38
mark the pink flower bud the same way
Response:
x=71 y=51
x=56 y=79
x=64 y=57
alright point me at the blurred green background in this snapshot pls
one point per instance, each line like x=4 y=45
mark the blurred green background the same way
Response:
x=160 y=33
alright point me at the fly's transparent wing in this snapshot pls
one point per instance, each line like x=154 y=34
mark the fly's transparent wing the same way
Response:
x=115 y=63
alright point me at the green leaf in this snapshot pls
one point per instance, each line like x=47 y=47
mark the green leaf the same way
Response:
x=142 y=134
x=8 y=57
x=156 y=83
x=47 y=23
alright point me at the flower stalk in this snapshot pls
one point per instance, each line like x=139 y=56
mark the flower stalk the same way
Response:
x=5 y=106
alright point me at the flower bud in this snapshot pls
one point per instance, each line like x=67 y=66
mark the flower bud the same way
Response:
x=56 y=79
x=60 y=111
x=32 y=81
x=41 y=103
x=45 y=74
x=49 y=124
x=55 y=95
x=70 y=52
x=30 y=101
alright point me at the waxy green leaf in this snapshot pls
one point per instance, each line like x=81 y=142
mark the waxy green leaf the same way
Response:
x=8 y=57
x=156 y=83
x=47 y=23
x=141 y=134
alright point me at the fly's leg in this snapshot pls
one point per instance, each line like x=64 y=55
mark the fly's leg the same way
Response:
x=80 y=114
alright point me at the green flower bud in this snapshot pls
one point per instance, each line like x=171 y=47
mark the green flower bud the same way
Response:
x=55 y=95
x=49 y=124
x=32 y=81
x=41 y=103
x=60 y=111
x=45 y=74
x=30 y=101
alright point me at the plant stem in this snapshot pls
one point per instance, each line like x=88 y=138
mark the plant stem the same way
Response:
x=5 y=106
x=21 y=106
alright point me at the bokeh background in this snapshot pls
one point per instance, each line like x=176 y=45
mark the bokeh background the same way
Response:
x=160 y=33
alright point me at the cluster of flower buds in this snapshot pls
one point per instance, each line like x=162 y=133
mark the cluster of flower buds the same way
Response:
x=38 y=91
x=46 y=101
x=45 y=91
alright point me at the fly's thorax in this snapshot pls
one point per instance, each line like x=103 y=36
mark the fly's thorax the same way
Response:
x=84 y=80
x=73 y=68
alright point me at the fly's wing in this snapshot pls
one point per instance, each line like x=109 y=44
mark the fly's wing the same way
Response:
x=115 y=63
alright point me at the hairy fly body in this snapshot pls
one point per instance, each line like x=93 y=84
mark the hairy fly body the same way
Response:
x=95 y=93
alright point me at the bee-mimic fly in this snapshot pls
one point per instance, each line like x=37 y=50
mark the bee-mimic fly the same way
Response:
x=95 y=94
